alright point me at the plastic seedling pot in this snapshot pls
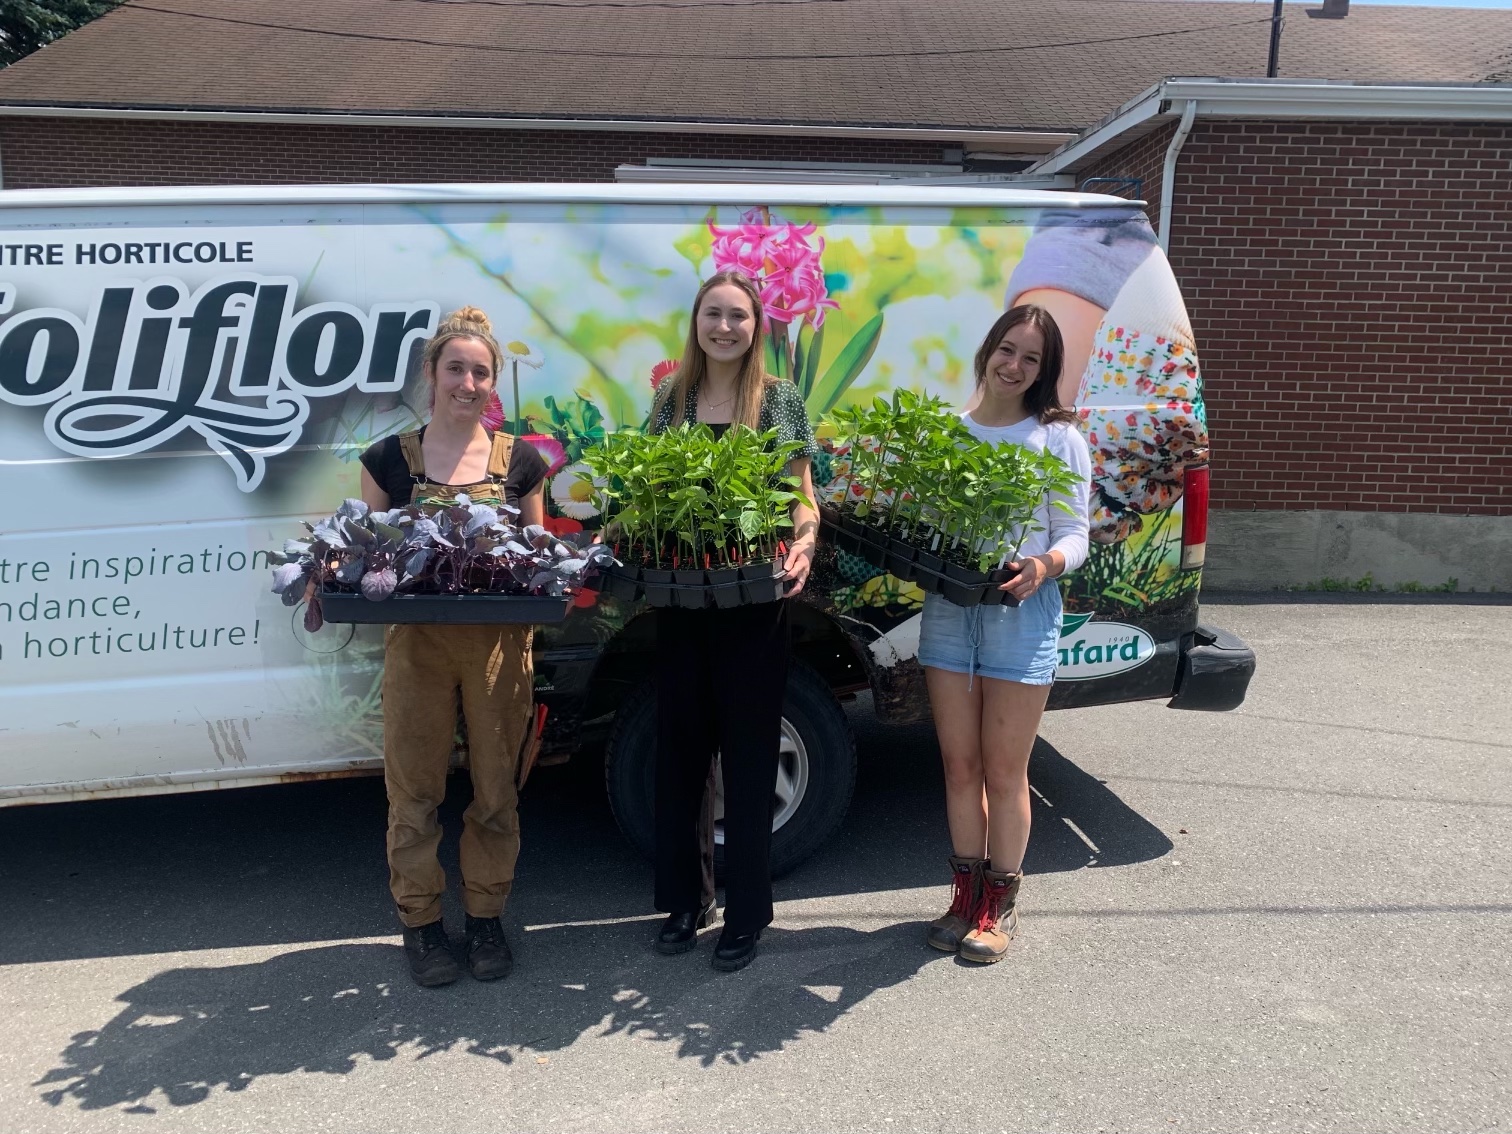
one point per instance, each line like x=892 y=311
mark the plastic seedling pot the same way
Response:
x=657 y=586
x=963 y=574
x=962 y=594
x=928 y=559
x=726 y=595
x=688 y=578
x=899 y=562
x=690 y=596
x=723 y=576
x=991 y=595
x=622 y=583
x=930 y=582
x=763 y=582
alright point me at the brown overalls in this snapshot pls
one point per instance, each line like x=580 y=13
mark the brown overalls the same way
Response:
x=426 y=668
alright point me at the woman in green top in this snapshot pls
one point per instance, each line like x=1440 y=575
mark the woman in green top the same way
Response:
x=721 y=673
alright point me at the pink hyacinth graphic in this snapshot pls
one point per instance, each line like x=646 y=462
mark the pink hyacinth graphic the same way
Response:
x=785 y=266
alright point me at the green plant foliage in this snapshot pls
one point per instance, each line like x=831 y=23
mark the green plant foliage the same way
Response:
x=685 y=496
x=823 y=396
x=26 y=25
x=577 y=424
x=1134 y=574
x=917 y=472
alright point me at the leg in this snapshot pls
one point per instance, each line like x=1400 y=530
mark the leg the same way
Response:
x=706 y=843
x=684 y=752
x=419 y=727
x=1010 y=720
x=496 y=684
x=956 y=702
x=750 y=680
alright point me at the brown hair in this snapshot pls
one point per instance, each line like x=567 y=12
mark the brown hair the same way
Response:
x=753 y=379
x=464 y=323
x=1042 y=399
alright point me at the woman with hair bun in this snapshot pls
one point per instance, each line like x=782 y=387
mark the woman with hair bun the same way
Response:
x=427 y=667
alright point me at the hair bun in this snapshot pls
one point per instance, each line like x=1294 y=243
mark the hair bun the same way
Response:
x=466 y=319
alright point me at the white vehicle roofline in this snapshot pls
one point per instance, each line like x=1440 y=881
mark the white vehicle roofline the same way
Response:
x=607 y=193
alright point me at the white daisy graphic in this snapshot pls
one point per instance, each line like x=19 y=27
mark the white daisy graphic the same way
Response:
x=516 y=351
x=574 y=492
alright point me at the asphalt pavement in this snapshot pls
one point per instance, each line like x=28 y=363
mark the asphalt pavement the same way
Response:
x=1290 y=917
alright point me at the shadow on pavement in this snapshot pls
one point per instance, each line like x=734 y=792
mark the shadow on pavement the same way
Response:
x=304 y=863
x=187 y=1032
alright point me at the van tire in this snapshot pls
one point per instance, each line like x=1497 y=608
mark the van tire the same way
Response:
x=811 y=715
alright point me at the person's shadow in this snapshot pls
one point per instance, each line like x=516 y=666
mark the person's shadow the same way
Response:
x=299 y=865
x=188 y=1031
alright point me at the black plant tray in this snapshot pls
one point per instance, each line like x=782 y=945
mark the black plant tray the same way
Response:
x=846 y=534
x=475 y=610
x=898 y=558
x=965 y=587
x=696 y=590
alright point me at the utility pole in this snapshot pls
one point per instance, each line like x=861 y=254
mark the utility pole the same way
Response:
x=1275 y=43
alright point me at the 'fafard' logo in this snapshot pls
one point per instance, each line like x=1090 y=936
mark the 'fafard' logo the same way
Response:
x=1100 y=649
x=150 y=359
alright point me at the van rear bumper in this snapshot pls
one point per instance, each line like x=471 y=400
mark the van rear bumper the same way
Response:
x=1214 y=672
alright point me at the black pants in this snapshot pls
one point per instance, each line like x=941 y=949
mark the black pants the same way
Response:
x=720 y=677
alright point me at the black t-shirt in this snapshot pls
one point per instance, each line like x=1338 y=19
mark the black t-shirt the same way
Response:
x=384 y=460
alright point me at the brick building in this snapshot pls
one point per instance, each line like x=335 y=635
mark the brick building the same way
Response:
x=1346 y=254
x=1342 y=234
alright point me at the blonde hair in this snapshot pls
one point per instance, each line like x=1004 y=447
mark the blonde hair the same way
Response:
x=464 y=323
x=750 y=383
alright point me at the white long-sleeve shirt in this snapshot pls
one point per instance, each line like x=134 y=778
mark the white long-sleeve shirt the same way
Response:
x=1058 y=531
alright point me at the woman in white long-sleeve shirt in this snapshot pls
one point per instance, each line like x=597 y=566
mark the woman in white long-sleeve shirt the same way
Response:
x=989 y=668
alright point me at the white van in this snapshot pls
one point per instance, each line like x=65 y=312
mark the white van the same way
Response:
x=186 y=373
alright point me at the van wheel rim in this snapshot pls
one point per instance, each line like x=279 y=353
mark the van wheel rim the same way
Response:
x=792 y=782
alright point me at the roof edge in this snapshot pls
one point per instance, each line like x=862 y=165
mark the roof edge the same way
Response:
x=1020 y=139
x=1328 y=99
x=1002 y=195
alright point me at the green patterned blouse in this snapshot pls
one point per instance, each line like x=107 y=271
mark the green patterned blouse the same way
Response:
x=782 y=409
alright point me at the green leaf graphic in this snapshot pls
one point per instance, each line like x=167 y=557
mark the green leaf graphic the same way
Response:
x=1071 y=623
x=847 y=367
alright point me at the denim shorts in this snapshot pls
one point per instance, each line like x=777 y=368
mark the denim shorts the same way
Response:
x=1009 y=643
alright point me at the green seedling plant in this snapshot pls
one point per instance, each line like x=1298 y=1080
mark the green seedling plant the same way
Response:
x=917 y=472
x=684 y=498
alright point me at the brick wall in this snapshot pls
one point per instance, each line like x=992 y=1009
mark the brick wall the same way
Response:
x=1349 y=287
x=44 y=153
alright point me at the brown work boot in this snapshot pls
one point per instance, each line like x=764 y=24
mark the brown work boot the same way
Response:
x=945 y=933
x=996 y=918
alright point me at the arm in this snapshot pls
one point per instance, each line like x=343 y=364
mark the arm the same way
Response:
x=373 y=496
x=1068 y=534
x=533 y=506
x=800 y=558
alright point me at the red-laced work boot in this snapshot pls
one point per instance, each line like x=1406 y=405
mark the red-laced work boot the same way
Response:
x=996 y=918
x=946 y=933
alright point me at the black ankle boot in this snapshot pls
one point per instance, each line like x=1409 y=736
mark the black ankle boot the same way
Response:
x=488 y=954
x=679 y=932
x=735 y=950
x=429 y=954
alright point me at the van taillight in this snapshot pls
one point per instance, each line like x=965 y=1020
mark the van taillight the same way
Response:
x=1194 y=511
